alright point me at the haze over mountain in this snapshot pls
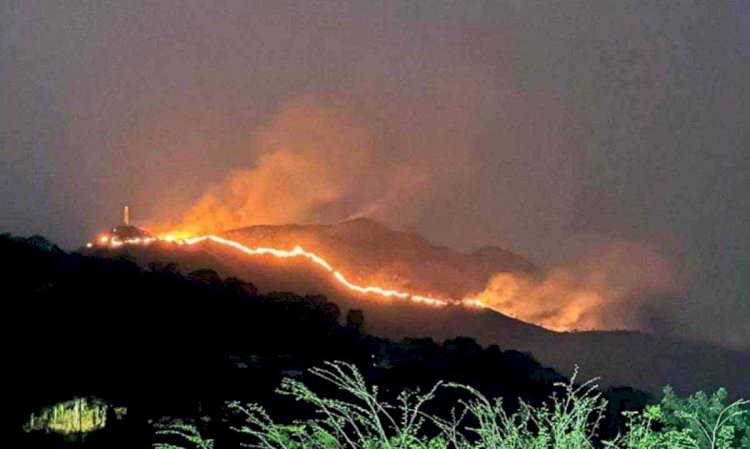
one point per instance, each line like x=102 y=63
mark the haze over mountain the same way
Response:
x=620 y=357
x=523 y=124
x=579 y=169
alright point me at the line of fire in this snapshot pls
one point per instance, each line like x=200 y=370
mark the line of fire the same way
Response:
x=127 y=234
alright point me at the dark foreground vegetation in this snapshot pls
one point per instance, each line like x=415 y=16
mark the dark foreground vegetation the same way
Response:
x=157 y=349
x=569 y=419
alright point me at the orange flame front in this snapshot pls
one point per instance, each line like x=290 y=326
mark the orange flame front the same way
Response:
x=298 y=251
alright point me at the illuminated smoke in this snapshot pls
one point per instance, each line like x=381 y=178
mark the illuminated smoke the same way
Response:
x=306 y=159
x=327 y=158
x=332 y=158
x=605 y=290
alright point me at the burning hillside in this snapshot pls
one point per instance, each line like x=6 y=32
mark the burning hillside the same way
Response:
x=366 y=258
x=375 y=254
x=621 y=357
x=317 y=160
x=130 y=235
x=603 y=290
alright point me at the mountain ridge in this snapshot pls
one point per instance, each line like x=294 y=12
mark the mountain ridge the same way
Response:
x=371 y=253
x=641 y=360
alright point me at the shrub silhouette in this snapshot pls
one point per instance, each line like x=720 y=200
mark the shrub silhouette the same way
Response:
x=357 y=418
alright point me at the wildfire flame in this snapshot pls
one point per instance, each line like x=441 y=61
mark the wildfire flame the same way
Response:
x=298 y=251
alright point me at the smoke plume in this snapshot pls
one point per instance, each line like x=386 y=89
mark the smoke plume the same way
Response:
x=324 y=158
x=608 y=288
x=308 y=157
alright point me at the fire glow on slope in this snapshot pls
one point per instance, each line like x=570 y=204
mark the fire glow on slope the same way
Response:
x=298 y=251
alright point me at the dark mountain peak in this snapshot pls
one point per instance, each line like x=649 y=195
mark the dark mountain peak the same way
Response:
x=371 y=252
x=362 y=222
x=367 y=226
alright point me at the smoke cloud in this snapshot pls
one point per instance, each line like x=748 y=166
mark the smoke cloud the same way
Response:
x=318 y=159
x=364 y=152
x=308 y=158
x=608 y=288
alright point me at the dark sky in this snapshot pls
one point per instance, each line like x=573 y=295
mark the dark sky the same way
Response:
x=546 y=127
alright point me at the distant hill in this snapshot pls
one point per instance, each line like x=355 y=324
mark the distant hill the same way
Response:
x=408 y=261
x=641 y=360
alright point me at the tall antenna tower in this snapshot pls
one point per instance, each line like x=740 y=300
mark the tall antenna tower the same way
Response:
x=126 y=215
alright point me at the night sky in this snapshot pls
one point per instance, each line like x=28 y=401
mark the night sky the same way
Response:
x=551 y=128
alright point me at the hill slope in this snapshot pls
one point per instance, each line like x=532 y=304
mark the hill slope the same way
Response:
x=403 y=260
x=167 y=345
x=371 y=253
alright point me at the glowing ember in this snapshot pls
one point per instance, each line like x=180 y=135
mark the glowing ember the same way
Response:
x=298 y=251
